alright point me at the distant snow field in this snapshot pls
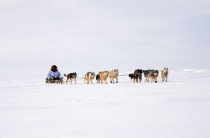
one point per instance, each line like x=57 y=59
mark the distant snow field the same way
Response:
x=179 y=108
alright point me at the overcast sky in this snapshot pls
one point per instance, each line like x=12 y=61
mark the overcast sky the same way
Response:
x=93 y=35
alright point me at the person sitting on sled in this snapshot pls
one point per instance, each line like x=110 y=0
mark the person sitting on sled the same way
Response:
x=54 y=74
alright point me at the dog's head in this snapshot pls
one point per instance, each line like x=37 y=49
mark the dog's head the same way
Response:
x=130 y=75
x=165 y=70
x=74 y=74
x=138 y=71
x=92 y=75
x=106 y=73
x=155 y=72
x=115 y=71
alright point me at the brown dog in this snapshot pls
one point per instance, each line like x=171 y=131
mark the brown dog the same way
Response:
x=89 y=77
x=153 y=76
x=103 y=76
x=113 y=75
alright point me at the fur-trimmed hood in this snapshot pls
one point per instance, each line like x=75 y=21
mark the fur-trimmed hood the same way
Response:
x=54 y=68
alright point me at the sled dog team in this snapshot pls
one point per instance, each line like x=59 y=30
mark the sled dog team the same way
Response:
x=136 y=77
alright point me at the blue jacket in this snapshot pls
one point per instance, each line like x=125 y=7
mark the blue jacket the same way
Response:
x=54 y=74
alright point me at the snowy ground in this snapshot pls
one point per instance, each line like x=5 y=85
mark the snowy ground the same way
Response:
x=179 y=108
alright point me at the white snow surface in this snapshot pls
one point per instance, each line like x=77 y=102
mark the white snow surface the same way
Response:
x=179 y=108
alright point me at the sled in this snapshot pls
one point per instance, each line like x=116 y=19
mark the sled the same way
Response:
x=58 y=81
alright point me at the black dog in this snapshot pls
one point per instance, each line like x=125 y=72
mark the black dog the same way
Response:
x=131 y=76
x=137 y=75
x=98 y=78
